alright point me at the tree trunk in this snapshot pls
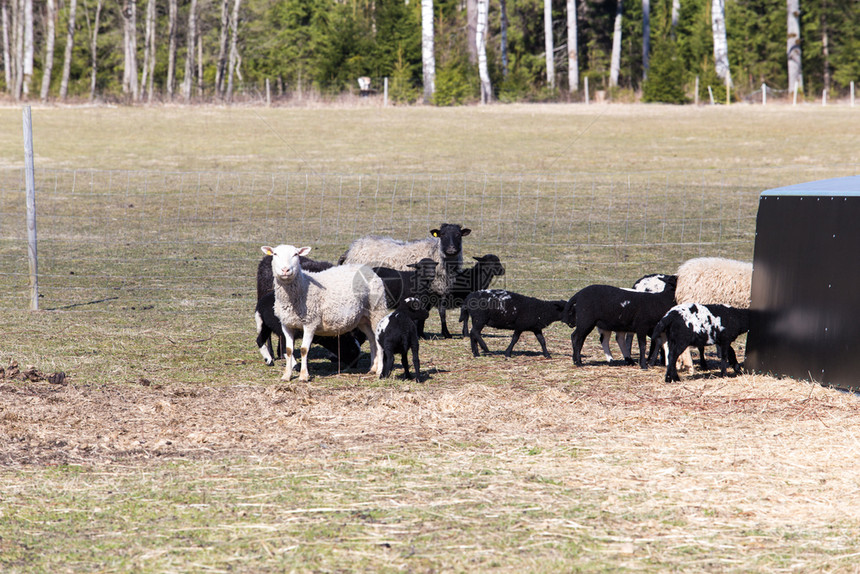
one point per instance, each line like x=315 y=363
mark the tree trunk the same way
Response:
x=572 y=48
x=171 y=47
x=94 y=50
x=428 y=58
x=188 y=80
x=70 y=44
x=615 y=61
x=18 y=53
x=221 y=64
x=721 y=46
x=503 y=24
x=548 y=43
x=825 y=46
x=795 y=73
x=676 y=15
x=199 y=63
x=129 y=75
x=472 y=30
x=481 y=32
x=646 y=37
x=234 y=50
x=7 y=60
x=48 y=65
x=27 y=64
x=148 y=50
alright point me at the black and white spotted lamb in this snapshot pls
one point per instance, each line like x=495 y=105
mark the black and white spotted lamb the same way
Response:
x=615 y=309
x=397 y=333
x=694 y=324
x=503 y=309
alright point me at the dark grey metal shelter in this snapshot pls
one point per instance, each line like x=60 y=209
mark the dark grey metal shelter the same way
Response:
x=805 y=320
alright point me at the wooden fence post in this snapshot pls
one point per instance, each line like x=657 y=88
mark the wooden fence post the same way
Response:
x=30 y=177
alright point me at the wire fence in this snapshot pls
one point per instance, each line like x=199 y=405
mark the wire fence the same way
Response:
x=114 y=240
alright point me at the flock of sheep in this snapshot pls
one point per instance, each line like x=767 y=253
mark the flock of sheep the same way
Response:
x=382 y=290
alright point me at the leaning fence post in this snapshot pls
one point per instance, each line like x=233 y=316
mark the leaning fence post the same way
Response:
x=764 y=94
x=29 y=177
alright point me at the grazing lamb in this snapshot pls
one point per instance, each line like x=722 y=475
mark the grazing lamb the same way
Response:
x=445 y=247
x=330 y=302
x=397 y=334
x=713 y=280
x=615 y=309
x=653 y=283
x=699 y=325
x=266 y=286
x=345 y=348
x=476 y=278
x=508 y=310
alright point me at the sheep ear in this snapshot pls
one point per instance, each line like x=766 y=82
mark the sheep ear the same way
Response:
x=465 y=231
x=303 y=251
x=434 y=232
x=267 y=250
x=481 y=259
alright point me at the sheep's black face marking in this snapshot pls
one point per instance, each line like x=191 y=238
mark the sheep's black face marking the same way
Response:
x=451 y=237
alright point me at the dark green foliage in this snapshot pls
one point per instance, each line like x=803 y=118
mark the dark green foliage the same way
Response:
x=665 y=82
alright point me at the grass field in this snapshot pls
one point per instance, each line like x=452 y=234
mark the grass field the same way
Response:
x=170 y=447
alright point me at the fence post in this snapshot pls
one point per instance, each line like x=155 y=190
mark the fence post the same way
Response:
x=711 y=94
x=763 y=94
x=794 y=101
x=385 y=93
x=696 y=96
x=268 y=93
x=30 y=177
x=728 y=90
x=852 y=94
x=824 y=97
x=586 y=90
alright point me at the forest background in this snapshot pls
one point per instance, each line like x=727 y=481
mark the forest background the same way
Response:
x=131 y=51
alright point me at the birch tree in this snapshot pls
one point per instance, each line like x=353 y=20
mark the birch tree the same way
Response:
x=7 y=60
x=233 y=67
x=18 y=47
x=481 y=29
x=676 y=15
x=795 y=72
x=171 y=47
x=646 y=37
x=615 y=59
x=503 y=32
x=146 y=80
x=27 y=62
x=70 y=44
x=221 y=64
x=572 y=48
x=129 y=72
x=94 y=50
x=48 y=64
x=472 y=30
x=548 y=43
x=721 y=45
x=188 y=80
x=428 y=58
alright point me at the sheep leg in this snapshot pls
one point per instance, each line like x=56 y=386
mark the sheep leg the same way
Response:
x=542 y=341
x=404 y=361
x=307 y=339
x=625 y=343
x=675 y=351
x=604 y=342
x=656 y=345
x=264 y=336
x=577 y=338
x=375 y=347
x=476 y=339
x=733 y=359
x=702 y=362
x=514 y=339
x=415 y=361
x=643 y=346
x=387 y=364
x=445 y=332
x=289 y=338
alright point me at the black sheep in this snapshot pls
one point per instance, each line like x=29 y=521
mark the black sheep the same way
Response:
x=694 y=324
x=416 y=284
x=476 y=278
x=397 y=334
x=502 y=309
x=614 y=309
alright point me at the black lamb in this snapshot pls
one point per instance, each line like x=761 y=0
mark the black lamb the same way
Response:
x=397 y=334
x=476 y=278
x=697 y=325
x=508 y=310
x=614 y=309
x=417 y=284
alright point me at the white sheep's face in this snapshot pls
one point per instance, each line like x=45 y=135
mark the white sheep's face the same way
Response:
x=285 y=261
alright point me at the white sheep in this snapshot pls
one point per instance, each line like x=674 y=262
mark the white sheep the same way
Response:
x=445 y=246
x=713 y=281
x=330 y=302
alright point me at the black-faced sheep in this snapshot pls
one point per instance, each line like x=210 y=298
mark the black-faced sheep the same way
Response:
x=713 y=281
x=330 y=302
x=345 y=348
x=502 y=309
x=615 y=309
x=397 y=334
x=652 y=283
x=445 y=246
x=694 y=324
x=466 y=281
